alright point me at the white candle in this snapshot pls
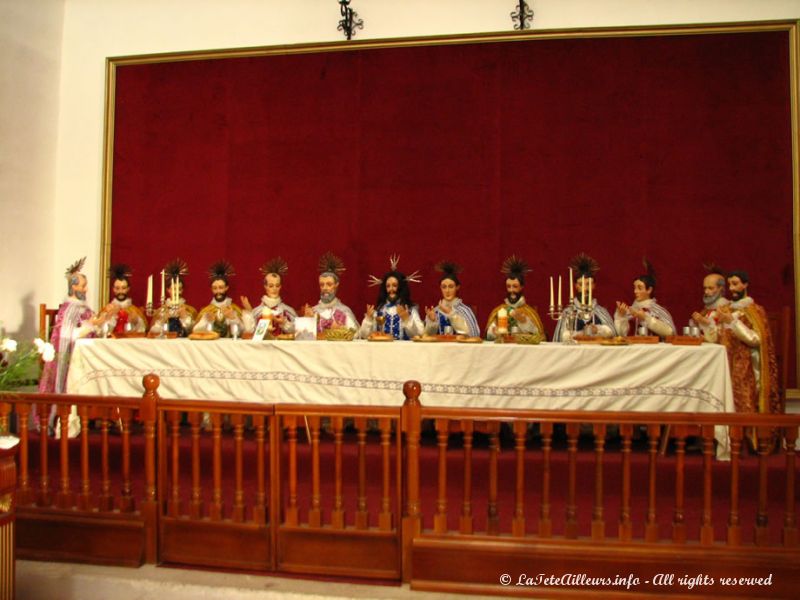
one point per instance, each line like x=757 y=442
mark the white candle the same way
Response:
x=174 y=291
x=591 y=280
x=150 y=290
x=559 y=290
x=551 y=291
x=583 y=289
x=162 y=286
x=571 y=286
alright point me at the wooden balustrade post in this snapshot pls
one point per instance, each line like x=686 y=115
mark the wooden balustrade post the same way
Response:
x=764 y=448
x=362 y=515
x=237 y=420
x=598 y=521
x=315 y=510
x=493 y=512
x=105 y=500
x=290 y=423
x=678 y=517
x=442 y=435
x=148 y=413
x=410 y=425
x=260 y=506
x=651 y=525
x=706 y=525
x=85 y=497
x=64 y=497
x=625 y=528
x=196 y=498
x=571 y=524
x=126 y=503
x=545 y=520
x=735 y=433
x=385 y=517
x=518 y=521
x=24 y=491
x=174 y=502
x=337 y=514
x=45 y=495
x=790 y=515
x=466 y=519
x=215 y=512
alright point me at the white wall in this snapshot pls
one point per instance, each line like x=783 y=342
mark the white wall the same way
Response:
x=30 y=59
x=96 y=29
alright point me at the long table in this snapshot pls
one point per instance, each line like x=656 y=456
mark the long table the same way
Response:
x=646 y=377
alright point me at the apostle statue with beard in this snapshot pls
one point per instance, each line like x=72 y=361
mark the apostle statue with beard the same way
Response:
x=713 y=300
x=281 y=315
x=74 y=320
x=745 y=333
x=120 y=315
x=522 y=318
x=451 y=315
x=645 y=311
x=175 y=315
x=222 y=314
x=571 y=321
x=396 y=314
x=331 y=312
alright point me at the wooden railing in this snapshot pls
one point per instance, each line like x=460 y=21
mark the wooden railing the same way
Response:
x=442 y=498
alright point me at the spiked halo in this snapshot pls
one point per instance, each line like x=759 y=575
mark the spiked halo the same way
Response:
x=331 y=264
x=119 y=271
x=176 y=269
x=274 y=266
x=394 y=261
x=584 y=265
x=75 y=268
x=221 y=269
x=514 y=267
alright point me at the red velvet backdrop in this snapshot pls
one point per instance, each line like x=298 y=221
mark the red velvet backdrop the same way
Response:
x=677 y=148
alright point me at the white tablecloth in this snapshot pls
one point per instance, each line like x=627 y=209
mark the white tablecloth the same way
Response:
x=548 y=376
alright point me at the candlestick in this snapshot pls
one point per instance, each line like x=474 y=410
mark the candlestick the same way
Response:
x=559 y=291
x=571 y=286
x=551 y=291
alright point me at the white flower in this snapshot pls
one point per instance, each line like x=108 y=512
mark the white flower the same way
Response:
x=48 y=353
x=8 y=345
x=39 y=343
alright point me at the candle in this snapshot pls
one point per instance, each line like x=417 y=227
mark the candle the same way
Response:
x=559 y=291
x=150 y=291
x=174 y=292
x=571 y=286
x=583 y=289
x=551 y=292
x=162 y=286
x=591 y=280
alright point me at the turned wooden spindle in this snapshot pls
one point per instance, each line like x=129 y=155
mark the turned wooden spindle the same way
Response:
x=45 y=495
x=762 y=519
x=260 y=508
x=678 y=517
x=385 y=517
x=174 y=502
x=545 y=520
x=216 y=507
x=571 y=524
x=625 y=530
x=466 y=520
x=237 y=420
x=314 y=511
x=520 y=429
x=651 y=525
x=24 y=491
x=734 y=527
x=64 y=497
x=706 y=524
x=290 y=425
x=126 y=503
x=598 y=520
x=442 y=434
x=337 y=514
x=85 y=497
x=362 y=515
